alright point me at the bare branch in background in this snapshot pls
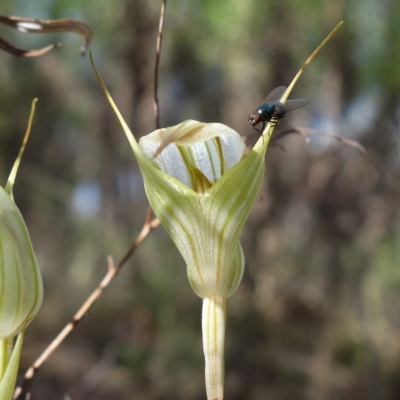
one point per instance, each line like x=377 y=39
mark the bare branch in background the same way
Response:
x=158 y=53
x=25 y=53
x=23 y=392
x=307 y=132
x=32 y=25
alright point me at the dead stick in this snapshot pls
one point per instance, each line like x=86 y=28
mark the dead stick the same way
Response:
x=158 y=53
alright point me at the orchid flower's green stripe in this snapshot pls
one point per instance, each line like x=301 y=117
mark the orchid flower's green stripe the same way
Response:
x=210 y=146
x=186 y=161
x=234 y=277
x=221 y=156
x=190 y=160
x=17 y=288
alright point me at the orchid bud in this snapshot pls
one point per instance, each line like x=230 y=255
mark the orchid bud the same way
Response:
x=21 y=285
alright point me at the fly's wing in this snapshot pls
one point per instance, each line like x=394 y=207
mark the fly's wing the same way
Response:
x=293 y=104
x=275 y=95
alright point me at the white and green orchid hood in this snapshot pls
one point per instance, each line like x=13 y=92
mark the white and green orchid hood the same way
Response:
x=203 y=196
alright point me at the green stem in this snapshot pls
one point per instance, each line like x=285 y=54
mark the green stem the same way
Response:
x=213 y=324
x=6 y=346
x=10 y=371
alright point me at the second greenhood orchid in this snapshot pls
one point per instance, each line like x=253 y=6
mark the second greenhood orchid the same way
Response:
x=202 y=188
x=21 y=287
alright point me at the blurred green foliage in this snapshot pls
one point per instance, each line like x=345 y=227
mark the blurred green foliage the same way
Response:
x=317 y=315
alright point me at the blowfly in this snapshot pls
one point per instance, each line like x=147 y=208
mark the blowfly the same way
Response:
x=271 y=109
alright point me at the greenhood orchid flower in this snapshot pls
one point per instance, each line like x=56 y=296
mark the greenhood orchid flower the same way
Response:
x=21 y=287
x=203 y=218
x=202 y=188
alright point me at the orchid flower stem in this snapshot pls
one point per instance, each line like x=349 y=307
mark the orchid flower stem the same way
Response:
x=6 y=346
x=12 y=352
x=213 y=324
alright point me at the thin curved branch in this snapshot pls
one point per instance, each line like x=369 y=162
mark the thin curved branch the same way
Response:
x=307 y=132
x=32 y=25
x=15 y=51
x=158 y=53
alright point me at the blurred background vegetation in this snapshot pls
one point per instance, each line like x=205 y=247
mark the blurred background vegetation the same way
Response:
x=317 y=316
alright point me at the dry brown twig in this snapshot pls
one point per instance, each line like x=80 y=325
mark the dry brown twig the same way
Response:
x=15 y=51
x=158 y=53
x=307 y=132
x=23 y=392
x=32 y=25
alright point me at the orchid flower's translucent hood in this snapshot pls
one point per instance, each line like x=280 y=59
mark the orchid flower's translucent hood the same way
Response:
x=204 y=217
x=211 y=148
x=205 y=224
